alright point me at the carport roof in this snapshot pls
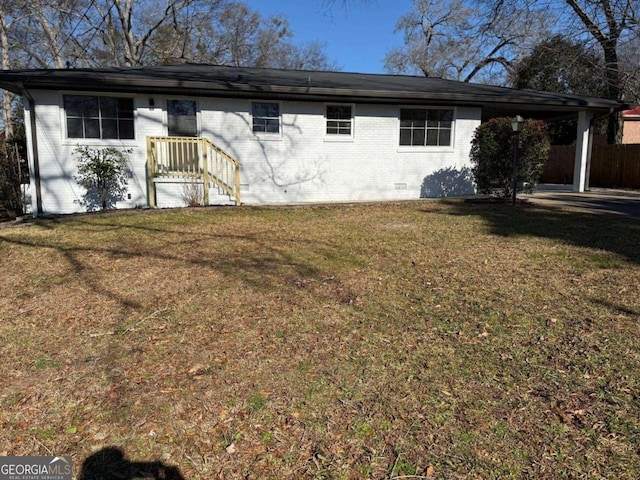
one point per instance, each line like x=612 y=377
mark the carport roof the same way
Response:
x=222 y=81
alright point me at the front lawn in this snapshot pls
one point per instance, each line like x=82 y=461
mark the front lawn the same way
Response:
x=443 y=340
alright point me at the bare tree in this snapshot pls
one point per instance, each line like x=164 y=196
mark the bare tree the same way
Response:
x=606 y=21
x=7 y=97
x=239 y=36
x=136 y=32
x=79 y=33
x=629 y=63
x=126 y=31
x=46 y=30
x=611 y=23
x=465 y=40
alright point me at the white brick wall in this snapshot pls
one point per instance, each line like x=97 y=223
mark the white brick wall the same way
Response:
x=300 y=165
x=58 y=164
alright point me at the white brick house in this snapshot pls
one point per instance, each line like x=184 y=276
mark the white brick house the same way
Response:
x=297 y=136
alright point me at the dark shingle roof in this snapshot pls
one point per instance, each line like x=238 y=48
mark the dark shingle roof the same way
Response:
x=210 y=80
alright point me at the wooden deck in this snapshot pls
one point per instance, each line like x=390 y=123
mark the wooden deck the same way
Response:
x=194 y=158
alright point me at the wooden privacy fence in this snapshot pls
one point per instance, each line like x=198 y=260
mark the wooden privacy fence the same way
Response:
x=612 y=166
x=559 y=167
x=192 y=158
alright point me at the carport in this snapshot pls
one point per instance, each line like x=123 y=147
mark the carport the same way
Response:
x=553 y=107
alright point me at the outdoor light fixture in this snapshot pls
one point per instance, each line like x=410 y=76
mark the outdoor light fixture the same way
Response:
x=517 y=123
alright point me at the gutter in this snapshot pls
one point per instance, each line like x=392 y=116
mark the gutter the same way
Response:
x=226 y=86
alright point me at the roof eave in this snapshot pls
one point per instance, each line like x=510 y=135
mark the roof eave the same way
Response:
x=142 y=84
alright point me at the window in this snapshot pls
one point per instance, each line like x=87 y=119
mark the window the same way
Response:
x=339 y=119
x=266 y=117
x=99 y=117
x=425 y=127
x=181 y=118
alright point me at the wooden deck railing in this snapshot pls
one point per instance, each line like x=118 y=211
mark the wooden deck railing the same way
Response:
x=192 y=157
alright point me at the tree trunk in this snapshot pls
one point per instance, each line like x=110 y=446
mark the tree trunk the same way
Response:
x=103 y=193
x=7 y=97
x=612 y=77
x=607 y=35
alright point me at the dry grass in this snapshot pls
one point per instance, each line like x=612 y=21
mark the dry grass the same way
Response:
x=436 y=340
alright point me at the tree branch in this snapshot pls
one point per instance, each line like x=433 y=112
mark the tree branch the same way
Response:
x=589 y=24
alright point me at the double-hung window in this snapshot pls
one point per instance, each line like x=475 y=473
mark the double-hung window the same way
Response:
x=426 y=127
x=265 y=117
x=339 y=120
x=90 y=116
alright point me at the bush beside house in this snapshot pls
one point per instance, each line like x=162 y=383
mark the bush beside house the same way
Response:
x=103 y=173
x=492 y=150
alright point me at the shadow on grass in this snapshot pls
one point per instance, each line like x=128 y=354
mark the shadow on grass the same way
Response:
x=263 y=265
x=111 y=464
x=616 y=308
x=594 y=229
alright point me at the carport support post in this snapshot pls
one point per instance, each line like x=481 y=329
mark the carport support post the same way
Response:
x=583 y=152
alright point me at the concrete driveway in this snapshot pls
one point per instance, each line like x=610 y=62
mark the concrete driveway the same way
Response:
x=596 y=200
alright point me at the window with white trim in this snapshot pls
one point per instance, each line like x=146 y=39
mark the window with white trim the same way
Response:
x=265 y=117
x=426 y=127
x=339 y=120
x=90 y=116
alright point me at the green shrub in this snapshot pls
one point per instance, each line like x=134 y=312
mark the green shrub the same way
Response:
x=103 y=173
x=492 y=156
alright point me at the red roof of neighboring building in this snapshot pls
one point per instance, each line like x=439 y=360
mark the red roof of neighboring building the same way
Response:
x=634 y=112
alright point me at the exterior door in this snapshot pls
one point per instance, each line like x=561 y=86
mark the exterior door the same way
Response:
x=181 y=118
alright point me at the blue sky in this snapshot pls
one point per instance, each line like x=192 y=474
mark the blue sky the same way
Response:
x=358 y=34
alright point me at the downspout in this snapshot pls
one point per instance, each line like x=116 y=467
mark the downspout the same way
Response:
x=34 y=148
